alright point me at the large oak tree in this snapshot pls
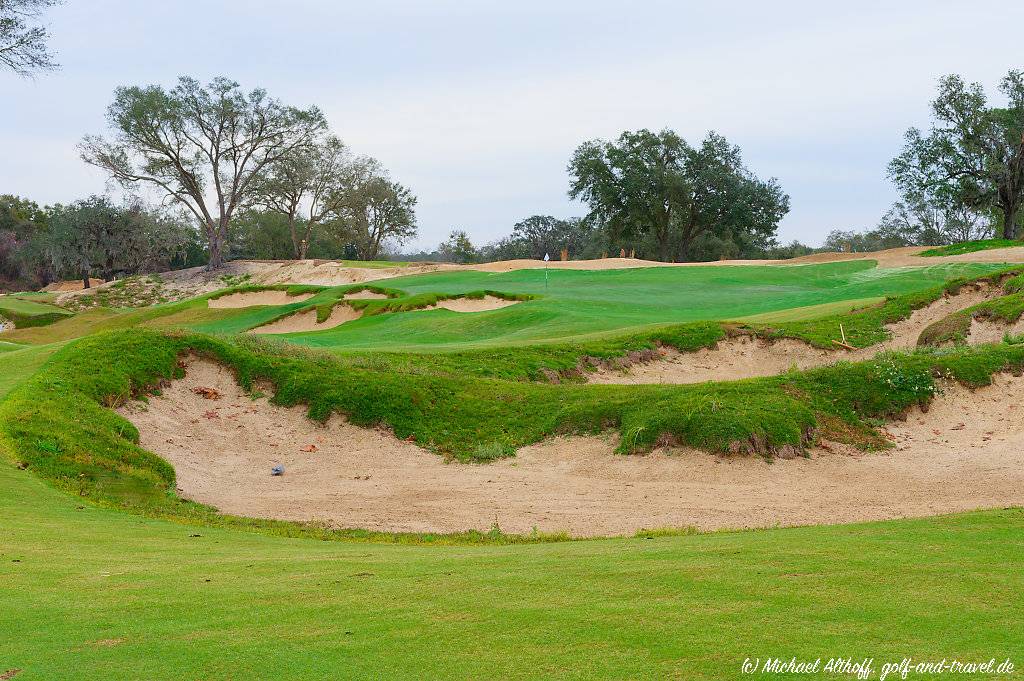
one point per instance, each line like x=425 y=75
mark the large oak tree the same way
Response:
x=205 y=147
x=655 y=186
x=375 y=209
x=973 y=155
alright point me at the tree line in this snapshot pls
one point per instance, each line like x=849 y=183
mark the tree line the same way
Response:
x=241 y=174
x=655 y=195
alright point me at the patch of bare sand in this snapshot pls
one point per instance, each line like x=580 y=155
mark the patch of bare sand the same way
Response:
x=364 y=295
x=744 y=357
x=332 y=273
x=967 y=452
x=989 y=331
x=252 y=298
x=306 y=321
x=600 y=264
x=473 y=304
x=904 y=334
x=909 y=256
x=72 y=285
x=731 y=359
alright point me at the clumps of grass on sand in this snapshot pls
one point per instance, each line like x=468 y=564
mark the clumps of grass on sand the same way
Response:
x=130 y=292
x=485 y=299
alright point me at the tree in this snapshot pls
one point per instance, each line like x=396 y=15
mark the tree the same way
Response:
x=309 y=180
x=655 y=186
x=95 y=236
x=23 y=47
x=543 y=234
x=374 y=209
x=973 y=156
x=205 y=147
x=923 y=223
x=23 y=227
x=261 y=235
x=457 y=248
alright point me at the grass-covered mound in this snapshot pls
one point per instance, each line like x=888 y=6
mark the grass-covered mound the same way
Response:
x=58 y=423
x=971 y=247
x=27 y=313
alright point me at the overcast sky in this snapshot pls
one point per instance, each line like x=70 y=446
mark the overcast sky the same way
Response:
x=477 y=106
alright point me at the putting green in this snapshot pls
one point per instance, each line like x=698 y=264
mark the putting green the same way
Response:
x=576 y=303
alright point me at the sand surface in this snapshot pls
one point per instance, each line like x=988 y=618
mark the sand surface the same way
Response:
x=472 y=304
x=73 y=285
x=744 y=357
x=988 y=331
x=364 y=295
x=893 y=257
x=236 y=300
x=966 y=453
x=306 y=321
x=731 y=359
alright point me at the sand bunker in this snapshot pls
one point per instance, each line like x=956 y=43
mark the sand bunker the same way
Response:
x=744 y=357
x=472 y=304
x=988 y=331
x=732 y=359
x=250 y=299
x=306 y=321
x=905 y=333
x=967 y=452
x=364 y=295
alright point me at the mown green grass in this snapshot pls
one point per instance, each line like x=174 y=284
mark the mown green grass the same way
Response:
x=19 y=363
x=971 y=247
x=94 y=593
x=27 y=313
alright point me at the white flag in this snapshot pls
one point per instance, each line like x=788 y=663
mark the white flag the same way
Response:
x=546 y=257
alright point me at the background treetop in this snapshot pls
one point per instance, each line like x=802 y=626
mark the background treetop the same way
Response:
x=202 y=146
x=972 y=156
x=23 y=46
x=654 y=188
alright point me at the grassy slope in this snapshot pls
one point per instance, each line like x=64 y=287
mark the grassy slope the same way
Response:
x=150 y=599
x=18 y=365
x=28 y=313
x=971 y=247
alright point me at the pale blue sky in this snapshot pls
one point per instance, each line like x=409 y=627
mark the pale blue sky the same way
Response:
x=477 y=106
